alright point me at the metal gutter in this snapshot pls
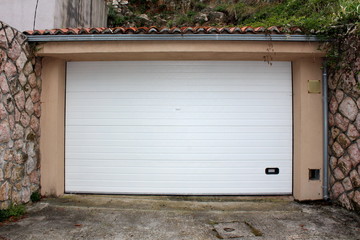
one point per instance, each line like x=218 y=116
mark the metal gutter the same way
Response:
x=173 y=37
x=325 y=132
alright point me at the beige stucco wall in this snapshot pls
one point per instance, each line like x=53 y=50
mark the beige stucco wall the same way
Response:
x=308 y=143
x=52 y=127
x=306 y=59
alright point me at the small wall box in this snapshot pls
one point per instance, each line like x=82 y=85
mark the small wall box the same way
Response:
x=314 y=86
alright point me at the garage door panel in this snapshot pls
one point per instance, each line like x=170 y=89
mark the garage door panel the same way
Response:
x=177 y=122
x=76 y=158
x=257 y=167
x=186 y=172
x=117 y=95
x=73 y=138
x=188 y=103
x=195 y=88
x=204 y=80
x=178 y=127
x=178 y=150
x=113 y=144
x=175 y=114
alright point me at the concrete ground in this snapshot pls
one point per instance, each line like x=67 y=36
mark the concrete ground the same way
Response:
x=175 y=218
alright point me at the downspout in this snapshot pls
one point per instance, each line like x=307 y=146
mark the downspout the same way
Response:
x=325 y=132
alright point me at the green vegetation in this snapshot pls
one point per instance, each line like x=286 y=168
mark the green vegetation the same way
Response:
x=310 y=15
x=12 y=211
x=114 y=19
x=35 y=197
x=337 y=20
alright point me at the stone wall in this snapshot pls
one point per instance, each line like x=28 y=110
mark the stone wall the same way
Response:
x=344 y=142
x=20 y=88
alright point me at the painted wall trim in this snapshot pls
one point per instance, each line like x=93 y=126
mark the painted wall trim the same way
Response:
x=176 y=37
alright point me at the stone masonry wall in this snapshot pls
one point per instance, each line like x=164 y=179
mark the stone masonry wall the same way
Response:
x=344 y=142
x=20 y=88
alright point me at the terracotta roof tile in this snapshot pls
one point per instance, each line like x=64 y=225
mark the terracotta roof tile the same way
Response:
x=165 y=30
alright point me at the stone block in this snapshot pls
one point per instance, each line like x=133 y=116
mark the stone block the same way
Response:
x=338 y=174
x=355 y=178
x=345 y=164
x=4 y=191
x=18 y=132
x=333 y=162
x=35 y=177
x=9 y=34
x=335 y=132
x=345 y=202
x=35 y=95
x=349 y=108
x=29 y=106
x=337 y=190
x=354 y=153
x=16 y=197
x=28 y=69
x=341 y=122
x=17 y=173
x=35 y=124
x=331 y=120
x=333 y=105
x=10 y=69
x=4 y=132
x=32 y=80
x=15 y=50
x=22 y=79
x=3 y=40
x=337 y=149
x=30 y=165
x=27 y=90
x=37 y=109
x=11 y=120
x=25 y=194
x=339 y=95
x=4 y=86
x=9 y=103
x=25 y=119
x=343 y=140
x=38 y=66
x=357 y=122
x=352 y=132
x=347 y=184
x=20 y=100
x=3 y=112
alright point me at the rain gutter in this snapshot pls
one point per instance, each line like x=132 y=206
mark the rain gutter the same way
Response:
x=173 y=37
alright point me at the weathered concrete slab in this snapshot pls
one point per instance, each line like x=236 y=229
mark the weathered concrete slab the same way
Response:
x=175 y=218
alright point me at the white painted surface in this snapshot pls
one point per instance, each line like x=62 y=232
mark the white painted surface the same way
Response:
x=185 y=127
x=51 y=14
x=20 y=14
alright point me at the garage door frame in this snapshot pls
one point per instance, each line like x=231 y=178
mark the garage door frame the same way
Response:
x=306 y=65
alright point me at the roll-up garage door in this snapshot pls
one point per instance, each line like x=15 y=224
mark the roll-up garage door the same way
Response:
x=179 y=127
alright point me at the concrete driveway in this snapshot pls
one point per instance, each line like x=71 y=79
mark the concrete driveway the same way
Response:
x=174 y=218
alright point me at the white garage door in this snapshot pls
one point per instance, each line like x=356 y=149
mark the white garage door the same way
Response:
x=179 y=127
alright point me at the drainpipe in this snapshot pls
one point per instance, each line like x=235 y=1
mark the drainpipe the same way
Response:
x=325 y=132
